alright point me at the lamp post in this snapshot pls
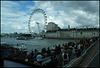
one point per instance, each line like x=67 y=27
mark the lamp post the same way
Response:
x=93 y=31
x=76 y=32
x=81 y=34
x=73 y=34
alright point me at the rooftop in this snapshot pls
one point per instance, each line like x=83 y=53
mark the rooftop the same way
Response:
x=78 y=29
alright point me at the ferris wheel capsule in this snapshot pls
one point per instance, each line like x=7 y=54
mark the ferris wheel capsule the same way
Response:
x=34 y=11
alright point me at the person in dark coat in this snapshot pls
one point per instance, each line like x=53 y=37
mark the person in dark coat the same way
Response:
x=2 y=60
x=48 y=52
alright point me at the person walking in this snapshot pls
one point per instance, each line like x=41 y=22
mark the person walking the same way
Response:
x=48 y=52
x=65 y=57
x=39 y=58
x=79 y=50
x=35 y=52
x=60 y=59
x=2 y=59
x=86 y=45
x=73 y=53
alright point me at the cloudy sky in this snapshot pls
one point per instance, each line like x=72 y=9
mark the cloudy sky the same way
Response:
x=15 y=14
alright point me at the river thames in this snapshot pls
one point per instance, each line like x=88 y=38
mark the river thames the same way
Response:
x=36 y=43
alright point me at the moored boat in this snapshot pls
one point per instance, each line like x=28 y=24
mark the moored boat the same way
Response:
x=39 y=38
x=9 y=49
x=22 y=38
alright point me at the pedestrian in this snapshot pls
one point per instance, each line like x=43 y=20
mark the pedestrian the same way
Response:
x=53 y=47
x=75 y=45
x=36 y=63
x=44 y=51
x=46 y=55
x=73 y=53
x=48 y=52
x=82 y=47
x=79 y=50
x=39 y=58
x=35 y=52
x=69 y=52
x=90 y=41
x=86 y=45
x=60 y=59
x=31 y=55
x=2 y=60
x=65 y=57
x=54 y=57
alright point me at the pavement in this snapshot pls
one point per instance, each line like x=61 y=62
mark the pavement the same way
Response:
x=92 y=60
x=95 y=61
x=8 y=63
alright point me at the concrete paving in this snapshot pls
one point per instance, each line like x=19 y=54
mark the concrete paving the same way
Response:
x=92 y=60
x=13 y=64
x=95 y=61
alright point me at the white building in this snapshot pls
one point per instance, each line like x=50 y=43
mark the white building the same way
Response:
x=54 y=32
x=52 y=26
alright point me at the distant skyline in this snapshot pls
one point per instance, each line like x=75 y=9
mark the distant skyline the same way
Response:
x=15 y=14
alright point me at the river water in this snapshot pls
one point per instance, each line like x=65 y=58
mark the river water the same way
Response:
x=36 y=43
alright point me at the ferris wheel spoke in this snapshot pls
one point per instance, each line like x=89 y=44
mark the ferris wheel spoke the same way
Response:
x=31 y=26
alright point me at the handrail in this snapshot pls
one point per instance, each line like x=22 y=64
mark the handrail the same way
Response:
x=79 y=58
x=90 y=47
x=23 y=62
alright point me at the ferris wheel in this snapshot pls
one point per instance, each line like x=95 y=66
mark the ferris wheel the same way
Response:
x=31 y=24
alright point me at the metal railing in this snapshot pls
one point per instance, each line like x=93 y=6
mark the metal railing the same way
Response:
x=75 y=62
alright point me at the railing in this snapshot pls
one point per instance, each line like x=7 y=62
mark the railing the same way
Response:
x=76 y=62
x=31 y=65
x=88 y=50
x=46 y=60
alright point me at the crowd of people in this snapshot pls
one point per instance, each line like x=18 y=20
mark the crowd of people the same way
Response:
x=59 y=54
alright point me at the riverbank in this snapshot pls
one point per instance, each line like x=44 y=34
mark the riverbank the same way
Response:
x=66 y=38
x=56 y=51
x=38 y=44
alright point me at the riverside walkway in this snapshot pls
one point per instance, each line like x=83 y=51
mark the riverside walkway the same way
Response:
x=92 y=59
x=81 y=60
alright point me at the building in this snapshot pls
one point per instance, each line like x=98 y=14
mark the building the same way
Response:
x=52 y=26
x=72 y=33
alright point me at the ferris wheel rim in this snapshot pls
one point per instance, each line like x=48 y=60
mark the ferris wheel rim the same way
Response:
x=45 y=18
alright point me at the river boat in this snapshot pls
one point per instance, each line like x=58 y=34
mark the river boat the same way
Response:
x=41 y=38
x=22 y=38
x=9 y=49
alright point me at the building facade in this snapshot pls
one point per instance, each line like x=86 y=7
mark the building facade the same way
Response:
x=71 y=33
x=52 y=26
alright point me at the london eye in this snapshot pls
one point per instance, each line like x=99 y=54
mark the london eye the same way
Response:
x=34 y=23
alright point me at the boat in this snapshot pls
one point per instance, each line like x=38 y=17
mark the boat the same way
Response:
x=41 y=38
x=22 y=38
x=20 y=47
x=5 y=45
x=9 y=49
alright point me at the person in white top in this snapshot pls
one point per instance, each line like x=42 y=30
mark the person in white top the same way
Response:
x=53 y=48
x=79 y=50
x=73 y=53
x=79 y=46
x=65 y=57
x=39 y=58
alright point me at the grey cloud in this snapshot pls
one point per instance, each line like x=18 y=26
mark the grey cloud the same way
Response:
x=89 y=7
x=66 y=16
